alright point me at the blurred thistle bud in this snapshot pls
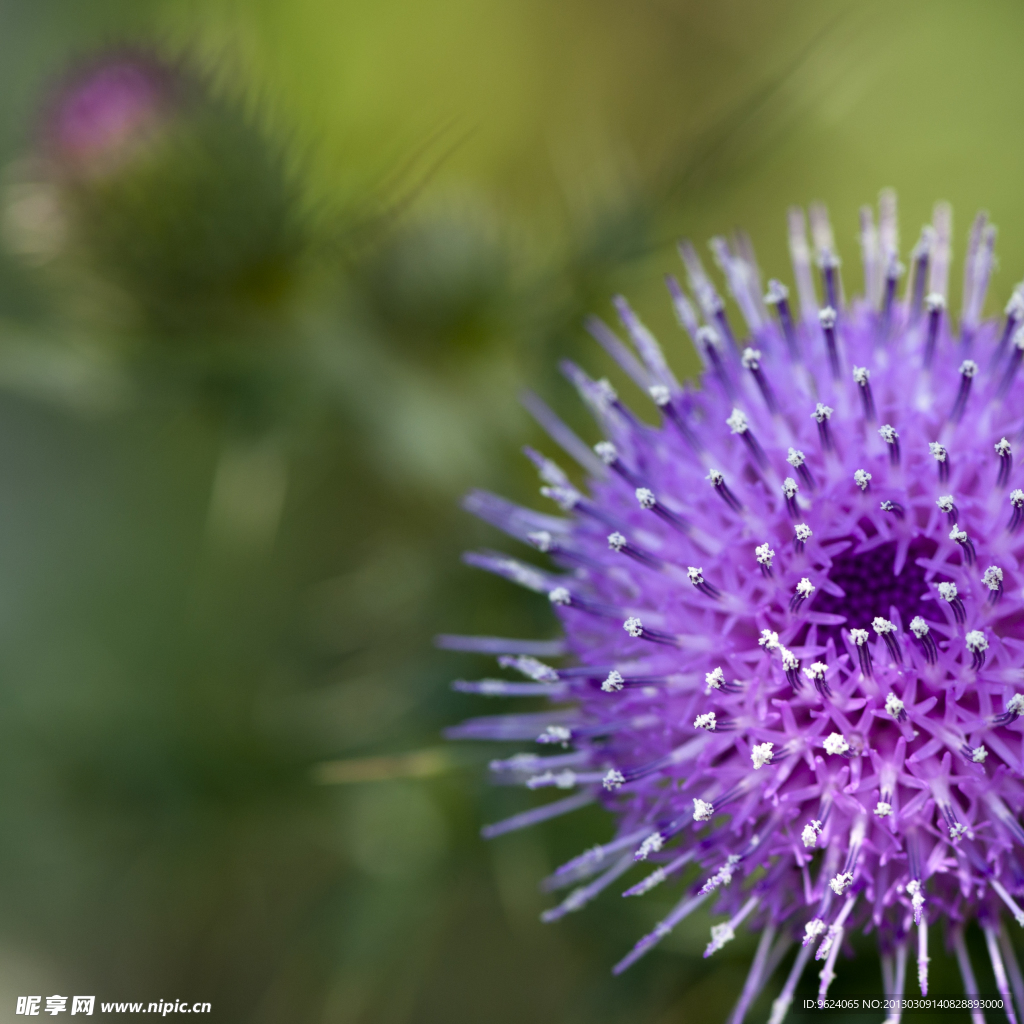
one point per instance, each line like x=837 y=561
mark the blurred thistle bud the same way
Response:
x=176 y=210
x=103 y=115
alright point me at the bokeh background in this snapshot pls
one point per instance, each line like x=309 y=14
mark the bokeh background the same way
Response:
x=272 y=275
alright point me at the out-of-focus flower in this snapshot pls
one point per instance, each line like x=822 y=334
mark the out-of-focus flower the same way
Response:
x=102 y=115
x=819 y=551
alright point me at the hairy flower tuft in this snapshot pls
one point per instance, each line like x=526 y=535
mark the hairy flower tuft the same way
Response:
x=785 y=662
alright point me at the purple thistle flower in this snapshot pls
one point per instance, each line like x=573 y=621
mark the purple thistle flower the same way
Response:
x=810 y=688
x=105 y=111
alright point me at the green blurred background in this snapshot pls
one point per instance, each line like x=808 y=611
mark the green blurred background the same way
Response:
x=253 y=351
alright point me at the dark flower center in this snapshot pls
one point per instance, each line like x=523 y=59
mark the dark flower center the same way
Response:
x=872 y=588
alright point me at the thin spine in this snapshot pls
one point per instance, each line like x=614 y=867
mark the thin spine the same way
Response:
x=899 y=985
x=871 y=256
x=1014 y=313
x=968 y=370
x=893 y=271
x=1012 y=363
x=560 y=433
x=739 y=278
x=686 y=906
x=755 y=976
x=782 y=1003
x=800 y=254
x=862 y=378
x=942 y=224
x=704 y=291
x=923 y=958
x=966 y=971
x=826 y=255
x=537 y=814
x=920 y=258
x=778 y=297
x=1012 y=966
x=935 y=304
x=977 y=273
x=1002 y=983
x=610 y=342
x=752 y=362
x=827 y=319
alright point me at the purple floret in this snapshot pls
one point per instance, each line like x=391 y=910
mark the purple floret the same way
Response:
x=794 y=609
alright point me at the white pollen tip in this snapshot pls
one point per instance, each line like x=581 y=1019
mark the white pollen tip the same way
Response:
x=968 y=368
x=702 y=810
x=827 y=317
x=888 y=433
x=1002 y=447
x=919 y=627
x=695 y=574
x=560 y=595
x=803 y=532
x=976 y=641
x=861 y=375
x=715 y=679
x=645 y=497
x=893 y=705
x=705 y=721
x=822 y=412
x=737 y=422
x=978 y=755
x=862 y=478
x=708 y=336
x=796 y=458
x=945 y=503
x=541 y=540
x=764 y=554
x=761 y=754
x=720 y=935
x=835 y=743
x=613 y=683
x=613 y=780
x=993 y=577
x=659 y=394
x=937 y=450
x=882 y=809
x=810 y=833
x=616 y=541
x=751 y=358
x=882 y=626
x=652 y=844
x=805 y=588
x=841 y=882
x=789 y=488
x=633 y=626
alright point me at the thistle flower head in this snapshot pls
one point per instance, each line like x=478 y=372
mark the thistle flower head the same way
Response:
x=786 y=661
x=106 y=111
